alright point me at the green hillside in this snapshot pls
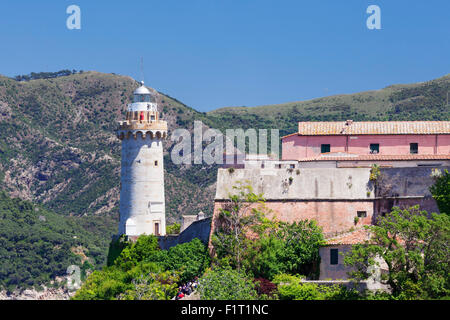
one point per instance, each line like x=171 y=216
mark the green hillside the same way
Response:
x=421 y=101
x=37 y=245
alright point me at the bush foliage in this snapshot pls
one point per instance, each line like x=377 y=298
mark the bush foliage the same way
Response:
x=225 y=283
x=143 y=271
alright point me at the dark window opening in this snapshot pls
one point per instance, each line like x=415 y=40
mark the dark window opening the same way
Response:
x=334 y=256
x=429 y=164
x=156 y=229
x=374 y=148
x=324 y=148
x=414 y=148
x=279 y=166
x=152 y=117
x=362 y=214
x=292 y=166
x=156 y=163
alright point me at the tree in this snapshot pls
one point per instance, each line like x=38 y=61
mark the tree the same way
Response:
x=414 y=246
x=286 y=248
x=441 y=190
x=224 y=283
x=238 y=220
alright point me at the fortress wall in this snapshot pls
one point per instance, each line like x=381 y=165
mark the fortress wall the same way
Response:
x=333 y=216
x=406 y=187
x=331 y=196
x=198 y=229
x=406 y=182
x=306 y=183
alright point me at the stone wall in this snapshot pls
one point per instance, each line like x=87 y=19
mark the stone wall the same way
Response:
x=405 y=187
x=198 y=229
x=337 y=271
x=331 y=196
x=304 y=183
x=333 y=216
x=406 y=182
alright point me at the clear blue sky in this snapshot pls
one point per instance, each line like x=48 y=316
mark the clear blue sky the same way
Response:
x=216 y=53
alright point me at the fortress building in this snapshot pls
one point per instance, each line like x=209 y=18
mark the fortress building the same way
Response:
x=344 y=175
x=326 y=168
x=142 y=203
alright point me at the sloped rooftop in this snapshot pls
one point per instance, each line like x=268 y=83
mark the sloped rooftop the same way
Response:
x=350 y=127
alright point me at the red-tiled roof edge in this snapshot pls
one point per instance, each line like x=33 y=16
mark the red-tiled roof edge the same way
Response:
x=349 y=127
x=379 y=157
x=359 y=235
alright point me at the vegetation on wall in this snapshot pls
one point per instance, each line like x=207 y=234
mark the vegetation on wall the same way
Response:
x=173 y=228
x=441 y=191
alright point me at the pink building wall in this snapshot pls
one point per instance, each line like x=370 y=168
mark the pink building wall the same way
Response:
x=333 y=216
x=298 y=147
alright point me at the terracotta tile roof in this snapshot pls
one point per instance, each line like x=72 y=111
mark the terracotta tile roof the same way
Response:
x=375 y=157
x=372 y=127
x=353 y=237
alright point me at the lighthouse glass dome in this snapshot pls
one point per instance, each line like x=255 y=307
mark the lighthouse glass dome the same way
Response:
x=142 y=98
x=142 y=94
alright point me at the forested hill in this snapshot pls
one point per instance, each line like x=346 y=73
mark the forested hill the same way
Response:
x=37 y=245
x=420 y=101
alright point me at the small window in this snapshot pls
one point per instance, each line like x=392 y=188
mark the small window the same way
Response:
x=413 y=148
x=152 y=117
x=334 y=256
x=156 y=229
x=156 y=163
x=324 y=148
x=279 y=166
x=374 y=148
x=292 y=166
x=362 y=214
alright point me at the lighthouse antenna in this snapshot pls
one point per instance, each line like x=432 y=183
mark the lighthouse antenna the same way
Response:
x=142 y=70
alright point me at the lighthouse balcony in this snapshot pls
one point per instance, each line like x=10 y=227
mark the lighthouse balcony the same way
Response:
x=143 y=125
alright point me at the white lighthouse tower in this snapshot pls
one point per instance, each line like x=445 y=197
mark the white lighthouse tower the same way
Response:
x=142 y=203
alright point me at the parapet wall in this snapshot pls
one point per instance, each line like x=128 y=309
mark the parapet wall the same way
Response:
x=294 y=184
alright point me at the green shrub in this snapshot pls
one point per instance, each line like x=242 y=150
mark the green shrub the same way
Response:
x=190 y=259
x=173 y=228
x=226 y=284
x=133 y=253
x=291 y=288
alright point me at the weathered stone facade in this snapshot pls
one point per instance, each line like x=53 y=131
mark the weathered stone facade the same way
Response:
x=337 y=198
